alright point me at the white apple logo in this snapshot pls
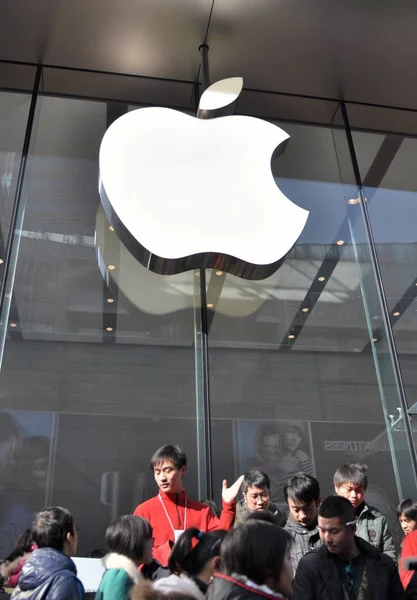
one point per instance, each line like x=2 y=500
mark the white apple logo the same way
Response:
x=187 y=193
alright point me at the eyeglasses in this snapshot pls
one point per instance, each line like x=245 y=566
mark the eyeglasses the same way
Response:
x=264 y=496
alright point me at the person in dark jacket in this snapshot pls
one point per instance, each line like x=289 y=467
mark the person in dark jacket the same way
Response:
x=346 y=567
x=302 y=494
x=256 y=564
x=50 y=574
x=256 y=491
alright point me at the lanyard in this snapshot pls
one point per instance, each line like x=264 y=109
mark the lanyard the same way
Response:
x=169 y=520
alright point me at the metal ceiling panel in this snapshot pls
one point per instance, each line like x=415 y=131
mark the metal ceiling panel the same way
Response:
x=156 y=38
x=360 y=50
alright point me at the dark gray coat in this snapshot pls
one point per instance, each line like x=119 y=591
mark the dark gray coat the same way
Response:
x=304 y=540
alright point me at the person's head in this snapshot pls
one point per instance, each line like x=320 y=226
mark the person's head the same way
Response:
x=24 y=544
x=267 y=442
x=407 y=515
x=130 y=536
x=10 y=437
x=262 y=515
x=351 y=481
x=302 y=494
x=197 y=553
x=256 y=490
x=337 y=525
x=259 y=551
x=54 y=528
x=292 y=438
x=169 y=464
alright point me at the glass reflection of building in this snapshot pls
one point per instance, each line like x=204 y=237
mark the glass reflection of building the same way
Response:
x=313 y=367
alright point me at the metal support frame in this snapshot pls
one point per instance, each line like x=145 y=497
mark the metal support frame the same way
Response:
x=13 y=237
x=403 y=408
x=204 y=402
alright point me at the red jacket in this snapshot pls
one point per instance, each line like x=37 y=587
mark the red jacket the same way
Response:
x=199 y=515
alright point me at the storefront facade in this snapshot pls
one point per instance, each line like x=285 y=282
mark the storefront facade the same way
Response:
x=102 y=361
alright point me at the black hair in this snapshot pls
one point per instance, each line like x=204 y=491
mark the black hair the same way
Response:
x=51 y=527
x=408 y=508
x=214 y=507
x=261 y=515
x=255 y=478
x=169 y=453
x=355 y=474
x=23 y=545
x=194 y=549
x=255 y=549
x=302 y=487
x=338 y=507
x=127 y=536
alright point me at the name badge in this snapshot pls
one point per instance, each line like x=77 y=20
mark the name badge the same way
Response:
x=177 y=534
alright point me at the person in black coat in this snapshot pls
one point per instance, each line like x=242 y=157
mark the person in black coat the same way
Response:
x=346 y=567
x=50 y=574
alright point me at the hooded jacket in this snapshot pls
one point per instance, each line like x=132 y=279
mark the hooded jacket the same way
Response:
x=199 y=515
x=48 y=575
x=317 y=576
x=118 y=579
x=181 y=584
x=304 y=540
x=237 y=587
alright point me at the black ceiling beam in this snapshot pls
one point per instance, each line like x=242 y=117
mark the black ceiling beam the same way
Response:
x=376 y=173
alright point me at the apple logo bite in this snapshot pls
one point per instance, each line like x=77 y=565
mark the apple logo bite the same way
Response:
x=192 y=193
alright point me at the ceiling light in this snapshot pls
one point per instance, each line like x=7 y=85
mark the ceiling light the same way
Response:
x=322 y=279
x=340 y=242
x=374 y=339
x=13 y=324
x=111 y=228
x=305 y=309
x=219 y=273
x=110 y=300
x=291 y=336
x=210 y=305
x=354 y=201
x=111 y=267
x=396 y=314
x=109 y=328
x=1 y=261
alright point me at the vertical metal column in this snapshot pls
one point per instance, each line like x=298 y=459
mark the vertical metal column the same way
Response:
x=204 y=449
x=16 y=221
x=399 y=384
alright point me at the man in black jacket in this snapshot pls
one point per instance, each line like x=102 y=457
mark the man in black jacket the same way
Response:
x=346 y=567
x=50 y=574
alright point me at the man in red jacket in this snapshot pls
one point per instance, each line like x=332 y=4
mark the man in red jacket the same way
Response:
x=172 y=511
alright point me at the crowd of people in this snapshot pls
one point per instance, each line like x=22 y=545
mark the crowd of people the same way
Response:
x=175 y=548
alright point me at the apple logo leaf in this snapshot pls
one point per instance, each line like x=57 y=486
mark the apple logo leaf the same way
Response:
x=219 y=98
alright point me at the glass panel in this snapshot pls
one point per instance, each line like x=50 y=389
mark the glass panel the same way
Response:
x=293 y=384
x=386 y=162
x=99 y=370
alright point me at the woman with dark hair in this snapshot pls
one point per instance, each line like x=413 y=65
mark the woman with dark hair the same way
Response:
x=129 y=540
x=256 y=564
x=12 y=566
x=407 y=514
x=193 y=561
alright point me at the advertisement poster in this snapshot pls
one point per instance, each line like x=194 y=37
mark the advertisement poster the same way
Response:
x=336 y=444
x=279 y=448
x=26 y=441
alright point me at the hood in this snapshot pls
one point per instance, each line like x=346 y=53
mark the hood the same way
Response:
x=178 y=584
x=242 y=511
x=237 y=587
x=40 y=567
x=366 y=508
x=118 y=561
x=294 y=527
